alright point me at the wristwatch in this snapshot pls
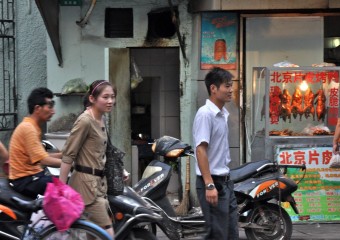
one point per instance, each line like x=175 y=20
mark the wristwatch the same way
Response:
x=210 y=186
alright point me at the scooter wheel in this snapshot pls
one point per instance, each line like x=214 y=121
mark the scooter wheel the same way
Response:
x=276 y=223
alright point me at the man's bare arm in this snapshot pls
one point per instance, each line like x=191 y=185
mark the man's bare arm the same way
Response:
x=336 y=137
x=3 y=152
x=203 y=163
x=51 y=162
x=64 y=171
x=56 y=155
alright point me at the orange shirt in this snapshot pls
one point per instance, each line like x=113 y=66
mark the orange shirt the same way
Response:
x=26 y=150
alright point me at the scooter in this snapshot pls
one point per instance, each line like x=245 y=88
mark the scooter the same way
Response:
x=132 y=214
x=259 y=187
x=16 y=211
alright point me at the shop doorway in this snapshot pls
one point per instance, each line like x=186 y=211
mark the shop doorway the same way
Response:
x=155 y=102
x=146 y=111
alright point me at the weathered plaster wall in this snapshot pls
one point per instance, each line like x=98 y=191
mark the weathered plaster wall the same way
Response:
x=30 y=56
x=84 y=49
x=84 y=52
x=31 y=52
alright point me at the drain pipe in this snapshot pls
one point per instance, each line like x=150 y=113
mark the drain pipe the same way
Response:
x=82 y=23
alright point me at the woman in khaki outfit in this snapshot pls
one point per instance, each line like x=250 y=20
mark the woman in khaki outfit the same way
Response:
x=85 y=149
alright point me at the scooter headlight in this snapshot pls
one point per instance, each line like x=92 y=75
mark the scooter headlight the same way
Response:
x=153 y=147
x=175 y=153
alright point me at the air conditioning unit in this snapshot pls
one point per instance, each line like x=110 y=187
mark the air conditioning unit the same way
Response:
x=70 y=2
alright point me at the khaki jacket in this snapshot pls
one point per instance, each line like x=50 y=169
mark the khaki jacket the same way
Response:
x=86 y=146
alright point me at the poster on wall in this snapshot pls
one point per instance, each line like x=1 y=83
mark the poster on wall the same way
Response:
x=218 y=40
x=318 y=194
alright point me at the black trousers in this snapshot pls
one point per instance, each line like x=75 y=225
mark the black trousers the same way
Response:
x=221 y=220
x=33 y=185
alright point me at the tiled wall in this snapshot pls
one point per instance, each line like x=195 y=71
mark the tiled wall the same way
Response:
x=160 y=67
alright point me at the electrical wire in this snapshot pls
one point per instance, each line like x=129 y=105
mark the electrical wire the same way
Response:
x=304 y=174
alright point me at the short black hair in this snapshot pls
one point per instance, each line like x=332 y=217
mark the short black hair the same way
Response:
x=38 y=97
x=216 y=77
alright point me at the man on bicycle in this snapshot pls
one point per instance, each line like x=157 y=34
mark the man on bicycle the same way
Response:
x=26 y=153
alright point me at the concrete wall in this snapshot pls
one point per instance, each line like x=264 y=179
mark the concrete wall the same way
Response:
x=84 y=49
x=31 y=52
x=30 y=56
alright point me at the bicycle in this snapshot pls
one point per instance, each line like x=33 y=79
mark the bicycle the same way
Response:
x=15 y=221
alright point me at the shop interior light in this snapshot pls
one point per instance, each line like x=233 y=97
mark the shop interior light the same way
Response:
x=304 y=86
x=336 y=42
x=332 y=42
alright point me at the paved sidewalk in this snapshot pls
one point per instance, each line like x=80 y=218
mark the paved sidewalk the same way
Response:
x=301 y=231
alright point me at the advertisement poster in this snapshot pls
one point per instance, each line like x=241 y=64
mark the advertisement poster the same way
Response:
x=218 y=40
x=318 y=194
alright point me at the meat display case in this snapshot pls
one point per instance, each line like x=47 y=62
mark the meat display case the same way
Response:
x=292 y=105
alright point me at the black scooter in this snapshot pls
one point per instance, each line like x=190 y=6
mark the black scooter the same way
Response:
x=260 y=187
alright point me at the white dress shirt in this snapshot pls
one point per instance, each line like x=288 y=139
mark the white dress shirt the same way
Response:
x=211 y=126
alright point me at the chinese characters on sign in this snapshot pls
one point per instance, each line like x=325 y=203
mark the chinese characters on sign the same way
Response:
x=318 y=195
x=310 y=77
x=310 y=157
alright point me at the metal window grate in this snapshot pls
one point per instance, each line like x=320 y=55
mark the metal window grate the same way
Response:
x=119 y=23
x=8 y=84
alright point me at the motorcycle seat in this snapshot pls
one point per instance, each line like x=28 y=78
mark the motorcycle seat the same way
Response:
x=245 y=171
x=7 y=193
x=28 y=206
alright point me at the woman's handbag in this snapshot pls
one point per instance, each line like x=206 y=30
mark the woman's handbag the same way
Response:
x=114 y=167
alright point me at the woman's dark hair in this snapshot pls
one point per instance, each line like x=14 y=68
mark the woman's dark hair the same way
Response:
x=95 y=90
x=216 y=77
x=38 y=97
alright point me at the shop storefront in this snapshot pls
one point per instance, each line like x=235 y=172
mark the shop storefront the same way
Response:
x=295 y=117
x=287 y=113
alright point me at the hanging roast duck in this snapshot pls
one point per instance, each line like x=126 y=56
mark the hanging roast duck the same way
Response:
x=297 y=103
x=309 y=104
x=320 y=105
x=286 y=108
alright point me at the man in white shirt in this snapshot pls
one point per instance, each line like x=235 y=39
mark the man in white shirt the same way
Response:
x=210 y=133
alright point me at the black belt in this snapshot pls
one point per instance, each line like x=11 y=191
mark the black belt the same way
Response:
x=218 y=178
x=88 y=170
x=224 y=178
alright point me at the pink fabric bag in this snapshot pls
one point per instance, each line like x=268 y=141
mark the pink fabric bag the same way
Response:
x=62 y=204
